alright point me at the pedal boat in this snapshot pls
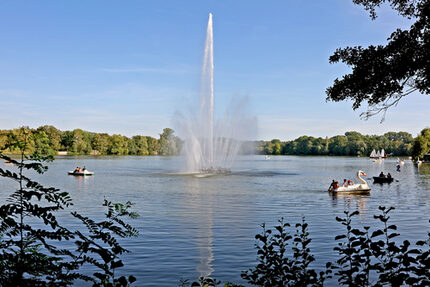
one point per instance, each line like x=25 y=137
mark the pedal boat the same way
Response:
x=81 y=173
x=359 y=188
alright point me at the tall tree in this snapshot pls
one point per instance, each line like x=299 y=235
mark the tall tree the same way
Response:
x=421 y=144
x=383 y=75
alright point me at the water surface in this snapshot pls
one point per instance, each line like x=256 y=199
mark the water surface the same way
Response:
x=194 y=226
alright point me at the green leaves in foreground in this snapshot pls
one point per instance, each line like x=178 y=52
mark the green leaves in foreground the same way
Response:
x=101 y=248
x=365 y=257
x=284 y=259
x=30 y=232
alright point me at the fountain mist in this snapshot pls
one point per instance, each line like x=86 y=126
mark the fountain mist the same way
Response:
x=209 y=146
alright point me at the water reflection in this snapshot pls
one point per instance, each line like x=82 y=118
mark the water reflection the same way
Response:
x=204 y=229
x=83 y=181
x=352 y=202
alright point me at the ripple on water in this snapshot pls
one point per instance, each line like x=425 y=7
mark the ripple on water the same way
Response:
x=192 y=226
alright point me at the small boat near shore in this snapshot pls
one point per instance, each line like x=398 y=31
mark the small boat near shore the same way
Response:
x=379 y=179
x=81 y=173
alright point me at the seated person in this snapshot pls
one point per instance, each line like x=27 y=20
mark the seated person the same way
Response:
x=381 y=174
x=388 y=175
x=76 y=169
x=350 y=182
x=334 y=184
x=345 y=183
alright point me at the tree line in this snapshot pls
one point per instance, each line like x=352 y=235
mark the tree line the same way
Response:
x=48 y=140
x=350 y=144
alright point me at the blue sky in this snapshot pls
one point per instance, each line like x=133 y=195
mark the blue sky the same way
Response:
x=125 y=67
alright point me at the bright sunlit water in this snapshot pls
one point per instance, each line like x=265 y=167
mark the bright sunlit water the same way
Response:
x=198 y=226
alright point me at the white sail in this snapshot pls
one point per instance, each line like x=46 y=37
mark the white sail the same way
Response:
x=378 y=154
x=373 y=153
x=382 y=153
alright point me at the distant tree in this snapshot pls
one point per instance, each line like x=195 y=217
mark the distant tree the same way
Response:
x=275 y=146
x=383 y=75
x=338 y=145
x=356 y=143
x=141 y=145
x=81 y=142
x=118 y=145
x=168 y=143
x=54 y=136
x=67 y=139
x=421 y=144
x=3 y=139
x=101 y=143
x=153 y=146
x=41 y=144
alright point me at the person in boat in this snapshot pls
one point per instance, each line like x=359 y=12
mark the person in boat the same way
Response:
x=382 y=174
x=334 y=184
x=388 y=175
x=85 y=168
x=77 y=169
x=345 y=183
x=350 y=182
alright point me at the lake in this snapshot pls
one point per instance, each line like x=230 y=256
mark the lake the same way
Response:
x=195 y=226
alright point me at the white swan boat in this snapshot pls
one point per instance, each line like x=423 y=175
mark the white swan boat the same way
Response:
x=358 y=188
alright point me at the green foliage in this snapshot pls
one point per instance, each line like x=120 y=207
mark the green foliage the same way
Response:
x=383 y=75
x=421 y=145
x=275 y=267
x=30 y=232
x=169 y=144
x=376 y=259
x=365 y=257
x=351 y=144
x=28 y=255
x=47 y=140
x=101 y=248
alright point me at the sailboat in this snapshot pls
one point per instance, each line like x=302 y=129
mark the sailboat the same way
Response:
x=378 y=154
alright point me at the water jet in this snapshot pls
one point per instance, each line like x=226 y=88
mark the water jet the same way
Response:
x=211 y=146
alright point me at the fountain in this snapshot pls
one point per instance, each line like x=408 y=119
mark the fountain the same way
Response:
x=210 y=147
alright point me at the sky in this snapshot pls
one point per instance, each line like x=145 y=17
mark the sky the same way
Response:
x=127 y=67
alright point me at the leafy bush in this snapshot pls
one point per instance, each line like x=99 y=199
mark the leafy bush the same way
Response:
x=29 y=256
x=364 y=258
x=278 y=267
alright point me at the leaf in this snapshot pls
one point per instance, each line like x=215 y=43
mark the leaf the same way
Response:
x=117 y=264
x=392 y=235
x=131 y=279
x=340 y=237
x=377 y=233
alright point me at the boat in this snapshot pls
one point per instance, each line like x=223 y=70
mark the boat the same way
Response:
x=378 y=154
x=360 y=188
x=426 y=158
x=379 y=179
x=81 y=173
